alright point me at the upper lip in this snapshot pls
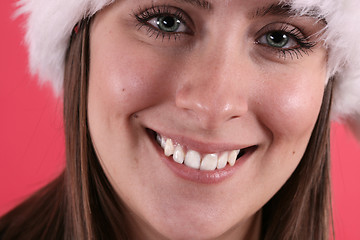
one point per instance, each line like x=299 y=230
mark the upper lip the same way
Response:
x=202 y=146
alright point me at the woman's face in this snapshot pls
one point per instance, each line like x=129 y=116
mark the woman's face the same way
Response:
x=212 y=78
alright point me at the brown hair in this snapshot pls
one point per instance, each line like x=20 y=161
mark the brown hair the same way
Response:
x=82 y=204
x=302 y=207
x=94 y=210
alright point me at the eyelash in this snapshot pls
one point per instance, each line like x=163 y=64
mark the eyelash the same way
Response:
x=304 y=44
x=144 y=15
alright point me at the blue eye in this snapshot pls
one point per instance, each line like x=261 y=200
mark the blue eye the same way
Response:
x=168 y=23
x=165 y=22
x=278 y=39
x=285 y=40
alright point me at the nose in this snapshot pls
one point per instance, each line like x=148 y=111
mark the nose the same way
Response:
x=213 y=89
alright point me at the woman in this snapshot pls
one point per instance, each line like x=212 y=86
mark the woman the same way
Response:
x=191 y=119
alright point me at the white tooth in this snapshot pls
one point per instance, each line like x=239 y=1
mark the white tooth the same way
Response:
x=158 y=139
x=223 y=159
x=209 y=162
x=192 y=159
x=163 y=142
x=232 y=157
x=179 y=154
x=169 y=147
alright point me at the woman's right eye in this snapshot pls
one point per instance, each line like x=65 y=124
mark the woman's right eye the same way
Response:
x=164 y=22
x=168 y=24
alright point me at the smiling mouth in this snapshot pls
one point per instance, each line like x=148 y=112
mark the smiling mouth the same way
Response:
x=196 y=160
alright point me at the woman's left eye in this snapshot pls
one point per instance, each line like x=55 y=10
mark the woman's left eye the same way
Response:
x=285 y=39
x=278 y=39
x=168 y=23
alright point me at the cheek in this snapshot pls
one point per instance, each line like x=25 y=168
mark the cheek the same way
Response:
x=290 y=104
x=127 y=77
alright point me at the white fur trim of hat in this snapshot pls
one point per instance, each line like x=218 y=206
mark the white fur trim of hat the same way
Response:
x=50 y=24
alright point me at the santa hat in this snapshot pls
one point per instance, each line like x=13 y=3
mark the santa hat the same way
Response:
x=50 y=24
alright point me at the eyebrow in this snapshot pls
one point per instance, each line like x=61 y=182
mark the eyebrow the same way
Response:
x=198 y=3
x=284 y=10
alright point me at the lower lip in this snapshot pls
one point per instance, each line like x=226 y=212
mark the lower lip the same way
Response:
x=201 y=176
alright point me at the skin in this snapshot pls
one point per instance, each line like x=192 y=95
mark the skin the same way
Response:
x=214 y=86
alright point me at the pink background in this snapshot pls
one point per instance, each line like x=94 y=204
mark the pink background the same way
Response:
x=32 y=139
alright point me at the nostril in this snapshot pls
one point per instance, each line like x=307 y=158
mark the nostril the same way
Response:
x=233 y=117
x=210 y=104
